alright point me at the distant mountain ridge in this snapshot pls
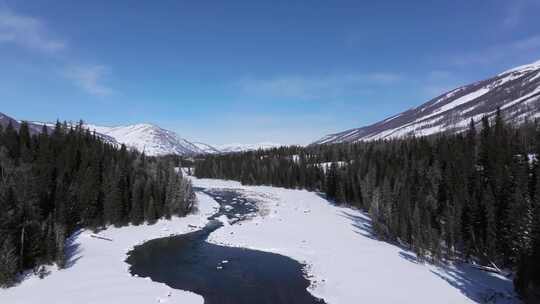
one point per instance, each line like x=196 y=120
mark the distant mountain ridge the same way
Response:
x=5 y=120
x=516 y=92
x=231 y=148
x=206 y=148
x=148 y=138
x=155 y=141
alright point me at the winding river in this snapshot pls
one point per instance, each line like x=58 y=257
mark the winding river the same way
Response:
x=222 y=275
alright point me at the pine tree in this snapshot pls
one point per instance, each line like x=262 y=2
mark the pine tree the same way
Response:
x=11 y=141
x=491 y=226
x=60 y=234
x=25 y=142
x=136 y=214
x=471 y=191
x=8 y=262
x=51 y=185
x=89 y=197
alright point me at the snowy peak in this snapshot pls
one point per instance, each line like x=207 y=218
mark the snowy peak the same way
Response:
x=154 y=140
x=516 y=92
x=524 y=68
x=150 y=139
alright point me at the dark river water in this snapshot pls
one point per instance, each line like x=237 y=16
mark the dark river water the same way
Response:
x=222 y=275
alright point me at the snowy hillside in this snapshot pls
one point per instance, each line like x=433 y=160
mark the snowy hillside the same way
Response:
x=230 y=148
x=151 y=139
x=154 y=140
x=516 y=92
x=206 y=148
x=5 y=120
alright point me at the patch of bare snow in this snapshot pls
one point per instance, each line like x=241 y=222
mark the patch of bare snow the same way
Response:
x=459 y=101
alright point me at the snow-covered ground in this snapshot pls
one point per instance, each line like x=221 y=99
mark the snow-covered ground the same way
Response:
x=345 y=263
x=97 y=273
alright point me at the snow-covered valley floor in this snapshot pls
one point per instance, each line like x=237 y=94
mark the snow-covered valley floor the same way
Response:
x=344 y=261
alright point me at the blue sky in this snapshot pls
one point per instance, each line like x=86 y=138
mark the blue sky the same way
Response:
x=251 y=71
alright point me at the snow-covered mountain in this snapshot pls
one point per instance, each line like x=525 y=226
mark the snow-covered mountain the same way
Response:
x=231 y=148
x=516 y=92
x=5 y=120
x=151 y=139
x=206 y=148
x=154 y=141
x=33 y=127
x=148 y=138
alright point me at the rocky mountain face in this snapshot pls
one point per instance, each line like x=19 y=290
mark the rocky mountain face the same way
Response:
x=516 y=92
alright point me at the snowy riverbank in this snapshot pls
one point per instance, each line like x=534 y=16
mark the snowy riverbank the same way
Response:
x=346 y=264
x=97 y=273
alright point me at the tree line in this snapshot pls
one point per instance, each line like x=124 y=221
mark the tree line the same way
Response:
x=66 y=178
x=473 y=196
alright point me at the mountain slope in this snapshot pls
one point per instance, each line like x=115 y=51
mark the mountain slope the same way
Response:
x=206 y=148
x=33 y=127
x=147 y=138
x=150 y=139
x=516 y=92
x=231 y=148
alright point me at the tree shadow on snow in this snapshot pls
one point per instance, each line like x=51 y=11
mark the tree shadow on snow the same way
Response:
x=330 y=201
x=475 y=284
x=72 y=249
x=478 y=285
x=361 y=224
x=408 y=256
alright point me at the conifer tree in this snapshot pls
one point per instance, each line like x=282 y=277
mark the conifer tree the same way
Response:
x=8 y=262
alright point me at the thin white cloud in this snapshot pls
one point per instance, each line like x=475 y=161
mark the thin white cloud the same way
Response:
x=312 y=88
x=90 y=79
x=32 y=33
x=27 y=32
